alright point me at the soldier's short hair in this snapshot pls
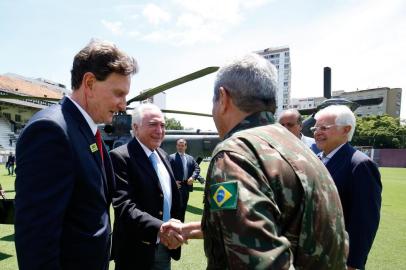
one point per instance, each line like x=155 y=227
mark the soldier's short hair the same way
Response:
x=101 y=58
x=250 y=81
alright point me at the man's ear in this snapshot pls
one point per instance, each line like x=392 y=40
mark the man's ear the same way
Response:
x=224 y=99
x=135 y=129
x=88 y=81
x=347 y=129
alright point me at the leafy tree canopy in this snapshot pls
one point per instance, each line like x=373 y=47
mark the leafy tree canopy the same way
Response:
x=172 y=123
x=380 y=131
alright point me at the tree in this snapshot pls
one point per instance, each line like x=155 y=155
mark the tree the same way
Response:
x=380 y=131
x=172 y=123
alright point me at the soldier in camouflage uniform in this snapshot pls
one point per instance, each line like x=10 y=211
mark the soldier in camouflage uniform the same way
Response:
x=269 y=202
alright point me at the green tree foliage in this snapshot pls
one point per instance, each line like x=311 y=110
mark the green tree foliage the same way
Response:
x=380 y=131
x=172 y=123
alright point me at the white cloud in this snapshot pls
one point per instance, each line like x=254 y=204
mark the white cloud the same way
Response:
x=196 y=21
x=363 y=44
x=114 y=27
x=202 y=21
x=255 y=3
x=155 y=15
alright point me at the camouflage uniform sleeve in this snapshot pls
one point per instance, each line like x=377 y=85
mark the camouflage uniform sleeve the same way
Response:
x=240 y=221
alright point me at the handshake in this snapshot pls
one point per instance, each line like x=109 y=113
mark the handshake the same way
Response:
x=174 y=233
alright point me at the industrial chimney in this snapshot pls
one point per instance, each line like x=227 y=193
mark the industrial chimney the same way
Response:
x=327 y=82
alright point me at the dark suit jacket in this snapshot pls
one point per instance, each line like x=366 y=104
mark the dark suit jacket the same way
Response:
x=62 y=193
x=359 y=185
x=193 y=170
x=10 y=160
x=138 y=206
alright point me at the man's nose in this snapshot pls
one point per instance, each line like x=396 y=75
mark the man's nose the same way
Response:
x=122 y=105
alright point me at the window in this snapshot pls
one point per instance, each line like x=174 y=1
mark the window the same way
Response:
x=286 y=53
x=17 y=118
x=285 y=83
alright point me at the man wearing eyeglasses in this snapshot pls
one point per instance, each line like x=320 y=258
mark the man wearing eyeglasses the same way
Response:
x=356 y=176
x=292 y=121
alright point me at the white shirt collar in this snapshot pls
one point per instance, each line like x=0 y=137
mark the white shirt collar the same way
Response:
x=146 y=149
x=332 y=153
x=89 y=120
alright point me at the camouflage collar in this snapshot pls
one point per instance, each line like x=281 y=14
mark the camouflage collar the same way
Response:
x=253 y=120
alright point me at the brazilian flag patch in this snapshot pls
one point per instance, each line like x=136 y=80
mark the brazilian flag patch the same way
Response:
x=224 y=196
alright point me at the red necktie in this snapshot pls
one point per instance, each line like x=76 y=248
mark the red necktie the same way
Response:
x=99 y=143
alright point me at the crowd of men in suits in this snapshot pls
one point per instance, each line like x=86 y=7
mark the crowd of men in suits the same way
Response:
x=269 y=201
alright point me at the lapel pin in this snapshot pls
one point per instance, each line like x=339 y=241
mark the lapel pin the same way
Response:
x=93 y=147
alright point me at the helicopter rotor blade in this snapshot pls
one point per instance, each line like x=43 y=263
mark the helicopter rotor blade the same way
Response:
x=4 y=95
x=187 y=113
x=190 y=77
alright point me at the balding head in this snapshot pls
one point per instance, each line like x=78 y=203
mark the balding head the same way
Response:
x=292 y=120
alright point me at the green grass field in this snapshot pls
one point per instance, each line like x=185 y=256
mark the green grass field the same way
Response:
x=387 y=252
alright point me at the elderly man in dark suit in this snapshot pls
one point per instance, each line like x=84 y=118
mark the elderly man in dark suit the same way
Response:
x=186 y=170
x=356 y=176
x=65 y=179
x=146 y=196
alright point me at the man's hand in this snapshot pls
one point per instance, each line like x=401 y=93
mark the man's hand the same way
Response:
x=178 y=183
x=170 y=234
x=190 y=181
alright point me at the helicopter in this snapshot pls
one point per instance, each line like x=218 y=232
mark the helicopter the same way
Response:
x=118 y=132
x=201 y=143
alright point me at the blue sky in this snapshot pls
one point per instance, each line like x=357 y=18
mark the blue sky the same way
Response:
x=363 y=41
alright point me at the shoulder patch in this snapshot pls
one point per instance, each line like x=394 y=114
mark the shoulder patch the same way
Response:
x=224 y=196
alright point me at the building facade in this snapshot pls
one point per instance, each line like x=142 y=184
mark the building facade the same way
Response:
x=280 y=58
x=376 y=101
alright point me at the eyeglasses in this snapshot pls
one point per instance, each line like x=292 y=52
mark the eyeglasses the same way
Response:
x=289 y=125
x=321 y=128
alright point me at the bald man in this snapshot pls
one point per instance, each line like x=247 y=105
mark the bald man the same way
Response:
x=292 y=121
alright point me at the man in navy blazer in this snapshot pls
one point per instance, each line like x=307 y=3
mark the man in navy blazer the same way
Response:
x=146 y=196
x=65 y=179
x=356 y=176
x=186 y=170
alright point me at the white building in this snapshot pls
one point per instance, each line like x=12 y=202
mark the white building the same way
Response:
x=280 y=57
x=158 y=99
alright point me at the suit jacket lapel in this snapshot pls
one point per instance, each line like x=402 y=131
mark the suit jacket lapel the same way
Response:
x=334 y=164
x=138 y=155
x=167 y=164
x=85 y=130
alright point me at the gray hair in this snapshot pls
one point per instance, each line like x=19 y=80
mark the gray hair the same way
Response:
x=294 y=112
x=138 y=112
x=251 y=81
x=343 y=116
